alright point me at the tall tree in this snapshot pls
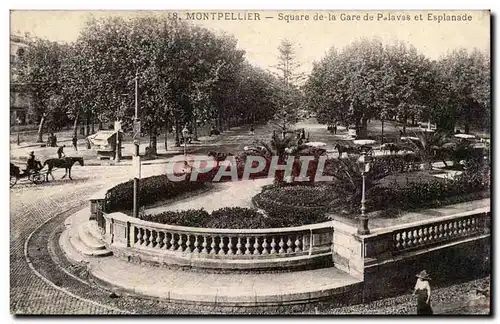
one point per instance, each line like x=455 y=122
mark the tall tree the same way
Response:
x=40 y=72
x=288 y=94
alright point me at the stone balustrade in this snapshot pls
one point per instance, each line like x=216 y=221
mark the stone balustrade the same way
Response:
x=275 y=248
x=439 y=231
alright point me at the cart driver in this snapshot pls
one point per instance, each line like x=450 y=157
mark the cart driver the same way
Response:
x=33 y=163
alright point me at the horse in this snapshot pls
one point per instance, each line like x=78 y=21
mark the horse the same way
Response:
x=66 y=163
x=346 y=149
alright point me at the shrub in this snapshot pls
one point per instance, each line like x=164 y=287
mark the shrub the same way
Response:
x=191 y=217
x=282 y=215
x=237 y=217
x=151 y=190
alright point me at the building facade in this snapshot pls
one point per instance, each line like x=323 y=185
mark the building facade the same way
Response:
x=20 y=103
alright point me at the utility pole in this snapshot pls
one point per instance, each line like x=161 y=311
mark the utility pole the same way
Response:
x=137 y=158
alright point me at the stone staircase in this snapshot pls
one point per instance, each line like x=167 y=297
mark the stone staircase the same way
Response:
x=81 y=239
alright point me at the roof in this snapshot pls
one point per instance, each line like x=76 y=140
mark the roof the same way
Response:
x=101 y=137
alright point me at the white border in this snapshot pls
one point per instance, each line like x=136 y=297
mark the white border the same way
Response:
x=189 y=4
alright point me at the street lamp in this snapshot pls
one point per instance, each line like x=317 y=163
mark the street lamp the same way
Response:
x=18 y=130
x=185 y=133
x=137 y=157
x=363 y=220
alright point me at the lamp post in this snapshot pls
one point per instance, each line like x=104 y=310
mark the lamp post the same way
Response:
x=137 y=133
x=18 y=130
x=362 y=219
x=185 y=133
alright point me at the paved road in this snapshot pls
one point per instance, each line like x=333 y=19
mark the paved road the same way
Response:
x=31 y=206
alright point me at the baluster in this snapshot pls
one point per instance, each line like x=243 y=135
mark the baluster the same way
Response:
x=204 y=245
x=416 y=237
x=221 y=246
x=147 y=239
x=139 y=236
x=256 y=246
x=188 y=243
x=273 y=246
x=281 y=244
x=409 y=238
x=238 y=246
x=441 y=231
x=297 y=245
x=247 y=246
x=397 y=241
x=172 y=242
x=403 y=240
x=159 y=241
x=212 y=245
x=432 y=233
x=196 y=245
x=230 y=246
x=180 y=246
x=460 y=227
x=289 y=245
x=264 y=245
x=165 y=240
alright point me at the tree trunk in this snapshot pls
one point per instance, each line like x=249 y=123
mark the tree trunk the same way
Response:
x=363 y=131
x=152 y=141
x=100 y=124
x=382 y=140
x=93 y=122
x=166 y=135
x=40 y=130
x=405 y=120
x=75 y=125
x=195 y=129
x=177 y=130
x=87 y=125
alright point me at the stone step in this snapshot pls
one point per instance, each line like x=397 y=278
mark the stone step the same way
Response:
x=94 y=229
x=232 y=290
x=68 y=249
x=88 y=238
x=82 y=248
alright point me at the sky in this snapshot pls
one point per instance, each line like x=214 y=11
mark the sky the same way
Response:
x=312 y=38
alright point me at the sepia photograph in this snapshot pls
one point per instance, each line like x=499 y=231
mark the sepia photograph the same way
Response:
x=250 y=162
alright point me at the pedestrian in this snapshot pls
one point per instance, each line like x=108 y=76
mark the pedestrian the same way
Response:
x=335 y=129
x=60 y=151
x=75 y=142
x=252 y=130
x=54 y=140
x=423 y=292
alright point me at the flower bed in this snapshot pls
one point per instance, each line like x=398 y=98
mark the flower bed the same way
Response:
x=229 y=217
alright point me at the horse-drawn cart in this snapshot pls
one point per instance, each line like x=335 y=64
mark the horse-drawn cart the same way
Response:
x=40 y=174
x=35 y=176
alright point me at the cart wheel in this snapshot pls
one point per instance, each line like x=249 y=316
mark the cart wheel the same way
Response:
x=13 y=180
x=36 y=178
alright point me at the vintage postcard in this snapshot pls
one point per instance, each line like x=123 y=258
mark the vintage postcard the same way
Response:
x=250 y=162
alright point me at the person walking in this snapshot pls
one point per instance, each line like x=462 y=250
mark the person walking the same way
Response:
x=60 y=152
x=423 y=292
x=335 y=129
x=74 y=140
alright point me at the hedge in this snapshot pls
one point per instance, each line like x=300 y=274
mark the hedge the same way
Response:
x=227 y=217
x=151 y=190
